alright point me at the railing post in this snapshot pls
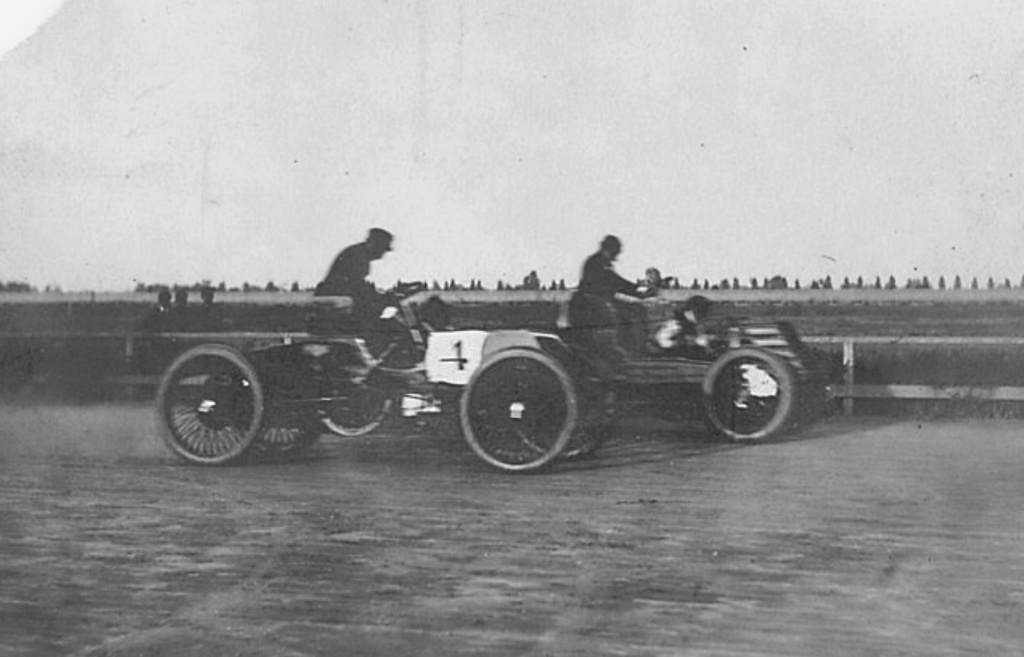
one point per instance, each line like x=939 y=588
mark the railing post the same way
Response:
x=848 y=362
x=129 y=360
x=129 y=349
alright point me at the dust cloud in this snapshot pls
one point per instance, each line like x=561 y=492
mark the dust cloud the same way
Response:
x=67 y=430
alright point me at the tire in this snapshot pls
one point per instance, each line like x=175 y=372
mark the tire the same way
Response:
x=365 y=410
x=520 y=410
x=749 y=395
x=210 y=405
x=286 y=434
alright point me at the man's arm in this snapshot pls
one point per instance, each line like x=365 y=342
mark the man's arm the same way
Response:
x=600 y=278
x=620 y=284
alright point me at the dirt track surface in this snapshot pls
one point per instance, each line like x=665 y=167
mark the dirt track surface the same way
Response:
x=860 y=538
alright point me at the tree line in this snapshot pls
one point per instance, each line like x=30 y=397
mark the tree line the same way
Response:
x=777 y=282
x=16 y=286
x=533 y=282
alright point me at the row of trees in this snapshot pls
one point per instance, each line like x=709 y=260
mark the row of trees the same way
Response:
x=532 y=282
x=219 y=287
x=16 y=286
x=768 y=283
x=781 y=283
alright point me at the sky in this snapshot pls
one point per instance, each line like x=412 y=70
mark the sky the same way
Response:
x=249 y=141
x=21 y=18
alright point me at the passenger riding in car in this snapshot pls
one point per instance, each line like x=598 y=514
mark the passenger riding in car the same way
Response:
x=686 y=334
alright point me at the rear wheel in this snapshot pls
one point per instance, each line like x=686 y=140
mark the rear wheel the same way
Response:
x=519 y=410
x=749 y=395
x=286 y=433
x=358 y=412
x=210 y=405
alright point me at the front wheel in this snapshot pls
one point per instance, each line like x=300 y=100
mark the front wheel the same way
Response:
x=520 y=410
x=749 y=395
x=210 y=405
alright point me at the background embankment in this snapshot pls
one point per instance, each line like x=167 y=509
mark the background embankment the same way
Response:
x=998 y=312
x=67 y=346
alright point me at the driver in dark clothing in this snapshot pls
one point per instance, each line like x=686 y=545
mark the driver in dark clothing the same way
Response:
x=347 y=275
x=592 y=313
x=347 y=278
x=599 y=278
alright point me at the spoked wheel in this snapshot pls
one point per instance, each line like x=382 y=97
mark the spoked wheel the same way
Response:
x=210 y=405
x=520 y=410
x=748 y=395
x=286 y=433
x=358 y=412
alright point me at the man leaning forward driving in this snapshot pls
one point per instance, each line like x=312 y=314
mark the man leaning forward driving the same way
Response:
x=593 y=315
x=347 y=277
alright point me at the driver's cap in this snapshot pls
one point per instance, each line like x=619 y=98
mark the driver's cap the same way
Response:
x=381 y=237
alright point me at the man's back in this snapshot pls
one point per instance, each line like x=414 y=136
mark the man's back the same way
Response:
x=347 y=275
x=600 y=280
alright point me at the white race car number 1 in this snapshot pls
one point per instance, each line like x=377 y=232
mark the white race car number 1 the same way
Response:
x=453 y=356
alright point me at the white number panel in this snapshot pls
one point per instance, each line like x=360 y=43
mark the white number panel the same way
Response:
x=453 y=356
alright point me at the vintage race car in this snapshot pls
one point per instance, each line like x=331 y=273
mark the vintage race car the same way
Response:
x=525 y=399
x=535 y=397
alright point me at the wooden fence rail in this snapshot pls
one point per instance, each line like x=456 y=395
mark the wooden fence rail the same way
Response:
x=847 y=390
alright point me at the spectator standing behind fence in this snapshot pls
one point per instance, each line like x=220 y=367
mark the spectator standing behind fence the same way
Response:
x=180 y=299
x=210 y=317
x=182 y=317
x=158 y=317
x=152 y=354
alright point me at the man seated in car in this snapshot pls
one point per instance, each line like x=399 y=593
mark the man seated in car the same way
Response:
x=347 y=274
x=686 y=334
x=346 y=280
